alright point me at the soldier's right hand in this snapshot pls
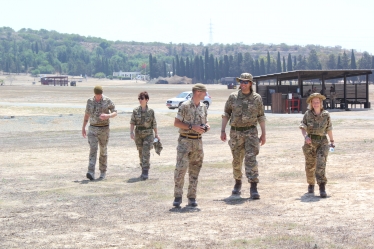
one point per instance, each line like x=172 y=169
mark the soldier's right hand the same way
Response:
x=223 y=136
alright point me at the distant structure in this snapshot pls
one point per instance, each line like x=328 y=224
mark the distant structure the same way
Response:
x=129 y=75
x=55 y=80
x=210 y=32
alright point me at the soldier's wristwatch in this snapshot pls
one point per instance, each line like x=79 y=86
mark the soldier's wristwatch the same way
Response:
x=190 y=126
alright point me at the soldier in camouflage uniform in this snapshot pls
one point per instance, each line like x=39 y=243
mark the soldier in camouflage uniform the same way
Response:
x=192 y=121
x=314 y=127
x=144 y=119
x=99 y=109
x=244 y=109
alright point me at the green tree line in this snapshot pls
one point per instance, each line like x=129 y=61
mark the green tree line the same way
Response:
x=49 y=52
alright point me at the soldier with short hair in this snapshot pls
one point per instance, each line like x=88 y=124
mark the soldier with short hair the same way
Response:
x=143 y=121
x=244 y=109
x=192 y=121
x=99 y=109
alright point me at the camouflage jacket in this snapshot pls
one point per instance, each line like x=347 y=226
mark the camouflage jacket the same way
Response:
x=244 y=110
x=316 y=124
x=95 y=109
x=144 y=119
x=190 y=114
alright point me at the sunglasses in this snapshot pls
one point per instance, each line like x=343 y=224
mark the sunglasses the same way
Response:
x=244 y=82
x=140 y=98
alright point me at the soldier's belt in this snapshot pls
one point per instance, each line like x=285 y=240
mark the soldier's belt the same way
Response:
x=99 y=125
x=316 y=137
x=141 y=128
x=242 y=128
x=191 y=136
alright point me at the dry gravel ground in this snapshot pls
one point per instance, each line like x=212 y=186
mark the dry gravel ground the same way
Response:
x=46 y=201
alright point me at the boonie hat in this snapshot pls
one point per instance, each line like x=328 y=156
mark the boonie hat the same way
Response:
x=98 y=90
x=158 y=146
x=245 y=77
x=315 y=95
x=199 y=87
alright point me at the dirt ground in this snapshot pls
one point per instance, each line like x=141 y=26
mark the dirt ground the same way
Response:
x=47 y=202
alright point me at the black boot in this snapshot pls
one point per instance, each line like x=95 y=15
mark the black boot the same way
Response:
x=322 y=190
x=144 y=175
x=177 y=201
x=311 y=189
x=192 y=202
x=237 y=187
x=253 y=191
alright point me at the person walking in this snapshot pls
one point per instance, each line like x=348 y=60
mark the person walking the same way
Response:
x=192 y=121
x=144 y=119
x=99 y=109
x=315 y=125
x=244 y=109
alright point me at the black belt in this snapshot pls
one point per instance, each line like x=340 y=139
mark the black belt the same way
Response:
x=141 y=128
x=190 y=136
x=242 y=128
x=101 y=126
x=316 y=137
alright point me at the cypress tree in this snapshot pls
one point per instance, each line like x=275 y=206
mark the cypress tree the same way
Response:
x=353 y=61
x=257 y=68
x=150 y=66
x=182 y=67
x=197 y=68
x=289 y=63
x=177 y=67
x=284 y=65
x=217 y=71
x=202 y=72
x=313 y=62
x=226 y=66
x=279 y=66
x=331 y=63
x=262 y=67
x=207 y=76
x=345 y=61
x=164 y=67
x=188 y=70
x=173 y=67
x=268 y=63
x=339 y=63
x=211 y=67
x=294 y=62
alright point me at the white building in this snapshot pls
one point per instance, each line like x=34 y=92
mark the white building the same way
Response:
x=130 y=75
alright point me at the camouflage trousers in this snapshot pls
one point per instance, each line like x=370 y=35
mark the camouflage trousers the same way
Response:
x=315 y=160
x=98 y=136
x=190 y=156
x=245 y=145
x=144 y=144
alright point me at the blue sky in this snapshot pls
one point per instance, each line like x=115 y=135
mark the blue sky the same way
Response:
x=321 y=22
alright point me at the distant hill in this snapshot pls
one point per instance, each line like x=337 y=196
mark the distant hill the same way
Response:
x=46 y=52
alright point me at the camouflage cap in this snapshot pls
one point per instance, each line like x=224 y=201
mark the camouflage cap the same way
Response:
x=315 y=95
x=199 y=87
x=98 y=90
x=158 y=147
x=245 y=77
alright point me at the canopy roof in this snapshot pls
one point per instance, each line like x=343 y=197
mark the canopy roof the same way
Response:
x=313 y=74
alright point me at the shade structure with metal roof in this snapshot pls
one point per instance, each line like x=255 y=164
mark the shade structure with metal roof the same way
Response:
x=354 y=92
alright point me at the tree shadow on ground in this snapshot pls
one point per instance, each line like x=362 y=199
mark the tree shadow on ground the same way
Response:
x=186 y=209
x=307 y=197
x=234 y=200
